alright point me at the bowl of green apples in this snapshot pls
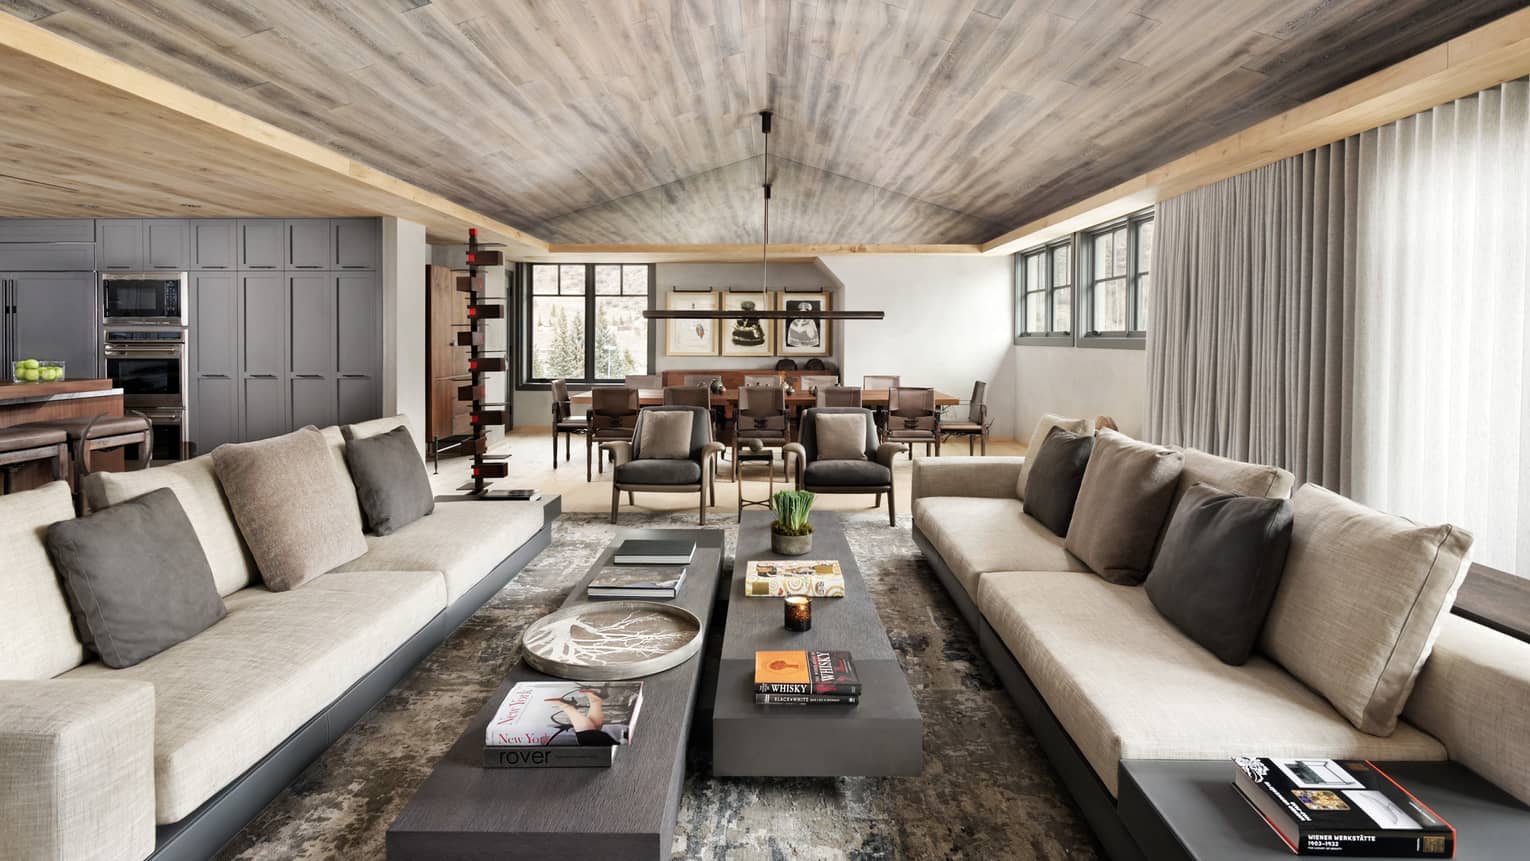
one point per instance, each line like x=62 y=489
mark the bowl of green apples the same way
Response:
x=35 y=371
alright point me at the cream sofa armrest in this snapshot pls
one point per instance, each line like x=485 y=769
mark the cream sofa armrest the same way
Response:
x=990 y=477
x=77 y=769
x=621 y=451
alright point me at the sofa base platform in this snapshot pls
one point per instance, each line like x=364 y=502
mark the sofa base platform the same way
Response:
x=202 y=833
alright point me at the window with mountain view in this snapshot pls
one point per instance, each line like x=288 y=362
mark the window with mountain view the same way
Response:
x=584 y=321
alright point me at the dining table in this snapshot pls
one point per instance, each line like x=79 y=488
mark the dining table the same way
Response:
x=729 y=398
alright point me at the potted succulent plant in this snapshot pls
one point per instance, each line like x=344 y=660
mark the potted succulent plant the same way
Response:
x=790 y=532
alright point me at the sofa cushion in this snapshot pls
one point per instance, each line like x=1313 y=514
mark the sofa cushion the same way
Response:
x=976 y=535
x=840 y=436
x=1222 y=558
x=667 y=472
x=665 y=435
x=435 y=543
x=847 y=473
x=1057 y=473
x=1122 y=506
x=226 y=697
x=1360 y=603
x=392 y=486
x=1125 y=684
x=299 y=517
x=1232 y=476
x=1039 y=436
x=195 y=483
x=37 y=639
x=136 y=579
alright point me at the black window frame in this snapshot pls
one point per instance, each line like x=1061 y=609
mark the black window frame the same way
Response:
x=1134 y=337
x=524 y=346
x=1049 y=291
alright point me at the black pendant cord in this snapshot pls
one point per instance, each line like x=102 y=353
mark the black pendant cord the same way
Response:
x=765 y=117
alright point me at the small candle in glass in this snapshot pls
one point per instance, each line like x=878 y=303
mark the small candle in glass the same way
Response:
x=799 y=613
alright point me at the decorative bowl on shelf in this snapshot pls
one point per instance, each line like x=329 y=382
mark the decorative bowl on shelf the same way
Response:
x=34 y=371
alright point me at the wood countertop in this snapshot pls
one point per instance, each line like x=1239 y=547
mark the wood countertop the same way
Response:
x=31 y=393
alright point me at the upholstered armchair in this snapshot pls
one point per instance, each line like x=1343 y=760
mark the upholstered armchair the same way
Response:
x=833 y=455
x=671 y=451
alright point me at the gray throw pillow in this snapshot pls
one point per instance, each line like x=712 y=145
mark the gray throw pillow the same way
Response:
x=391 y=483
x=135 y=577
x=666 y=435
x=1123 y=506
x=1220 y=564
x=840 y=436
x=1057 y=471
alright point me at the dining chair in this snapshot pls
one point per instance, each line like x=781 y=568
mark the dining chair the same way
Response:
x=913 y=418
x=761 y=415
x=612 y=417
x=887 y=383
x=643 y=381
x=977 y=423
x=701 y=379
x=814 y=382
x=564 y=421
x=839 y=396
x=758 y=380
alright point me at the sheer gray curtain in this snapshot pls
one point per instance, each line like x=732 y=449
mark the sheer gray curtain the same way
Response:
x=1250 y=352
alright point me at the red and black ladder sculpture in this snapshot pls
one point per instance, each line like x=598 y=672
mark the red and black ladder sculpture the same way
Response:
x=483 y=413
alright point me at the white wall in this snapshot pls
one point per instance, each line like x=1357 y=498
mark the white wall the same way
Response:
x=948 y=323
x=1080 y=383
x=403 y=272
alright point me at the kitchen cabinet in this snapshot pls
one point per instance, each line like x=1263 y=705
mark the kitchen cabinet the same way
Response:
x=263 y=407
x=262 y=354
x=120 y=244
x=356 y=243
x=214 y=355
x=52 y=316
x=47 y=256
x=214 y=243
x=358 y=352
x=47 y=230
x=307 y=243
x=334 y=343
x=165 y=244
x=215 y=415
x=261 y=244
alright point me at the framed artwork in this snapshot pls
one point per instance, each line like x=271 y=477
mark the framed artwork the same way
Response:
x=803 y=336
x=691 y=337
x=747 y=336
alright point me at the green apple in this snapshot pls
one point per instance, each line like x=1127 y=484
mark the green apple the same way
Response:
x=30 y=375
x=27 y=363
x=48 y=374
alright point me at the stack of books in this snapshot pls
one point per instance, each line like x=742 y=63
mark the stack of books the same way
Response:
x=643 y=569
x=804 y=678
x=562 y=724
x=1341 y=807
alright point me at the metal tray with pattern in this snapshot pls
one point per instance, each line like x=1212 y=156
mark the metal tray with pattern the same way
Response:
x=608 y=640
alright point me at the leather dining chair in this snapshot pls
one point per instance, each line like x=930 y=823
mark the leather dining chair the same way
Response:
x=643 y=381
x=978 y=421
x=814 y=382
x=612 y=418
x=839 y=396
x=564 y=421
x=752 y=381
x=761 y=415
x=913 y=418
x=883 y=382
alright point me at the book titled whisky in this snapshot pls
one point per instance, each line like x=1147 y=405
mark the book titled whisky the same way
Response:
x=805 y=673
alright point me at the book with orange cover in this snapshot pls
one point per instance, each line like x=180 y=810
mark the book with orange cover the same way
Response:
x=804 y=672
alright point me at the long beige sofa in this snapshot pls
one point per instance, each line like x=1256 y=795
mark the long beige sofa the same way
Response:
x=1102 y=677
x=171 y=756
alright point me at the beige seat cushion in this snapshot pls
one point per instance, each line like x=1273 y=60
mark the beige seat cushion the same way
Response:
x=227 y=696
x=1126 y=685
x=1123 y=506
x=37 y=638
x=1039 y=436
x=976 y=535
x=1361 y=602
x=195 y=483
x=461 y=540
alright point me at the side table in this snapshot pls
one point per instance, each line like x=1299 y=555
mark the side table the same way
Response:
x=765 y=457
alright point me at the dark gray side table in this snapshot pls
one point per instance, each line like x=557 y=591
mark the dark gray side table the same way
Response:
x=1190 y=810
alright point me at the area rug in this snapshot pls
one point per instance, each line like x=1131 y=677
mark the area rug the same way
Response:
x=987 y=791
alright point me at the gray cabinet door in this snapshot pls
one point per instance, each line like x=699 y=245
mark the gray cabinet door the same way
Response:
x=165 y=244
x=263 y=407
x=214 y=412
x=215 y=324
x=47 y=230
x=358 y=324
x=57 y=320
x=360 y=399
x=307 y=243
x=119 y=244
x=214 y=244
x=263 y=326
x=313 y=400
x=312 y=332
x=356 y=242
x=47 y=256
x=261 y=244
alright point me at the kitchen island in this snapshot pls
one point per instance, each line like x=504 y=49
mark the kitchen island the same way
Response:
x=39 y=402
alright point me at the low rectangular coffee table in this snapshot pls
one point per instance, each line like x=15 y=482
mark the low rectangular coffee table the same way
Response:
x=627 y=811
x=882 y=735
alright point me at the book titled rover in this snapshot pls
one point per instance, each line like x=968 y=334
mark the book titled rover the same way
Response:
x=562 y=724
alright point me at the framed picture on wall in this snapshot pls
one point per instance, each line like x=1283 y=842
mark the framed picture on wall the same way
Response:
x=744 y=335
x=691 y=337
x=803 y=336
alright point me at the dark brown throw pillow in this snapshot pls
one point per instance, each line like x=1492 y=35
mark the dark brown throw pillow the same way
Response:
x=391 y=483
x=1057 y=472
x=136 y=578
x=1221 y=562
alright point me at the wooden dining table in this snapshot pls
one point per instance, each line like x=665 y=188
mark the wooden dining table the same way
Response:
x=729 y=398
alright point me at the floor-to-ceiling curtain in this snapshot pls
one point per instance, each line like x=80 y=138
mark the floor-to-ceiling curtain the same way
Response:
x=1442 y=407
x=1249 y=355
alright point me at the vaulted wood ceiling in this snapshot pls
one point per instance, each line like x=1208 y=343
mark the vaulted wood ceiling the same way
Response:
x=919 y=121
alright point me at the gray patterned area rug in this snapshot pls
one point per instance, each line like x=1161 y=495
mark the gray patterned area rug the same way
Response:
x=987 y=791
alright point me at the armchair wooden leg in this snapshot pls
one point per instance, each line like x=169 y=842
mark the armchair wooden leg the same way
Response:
x=712 y=479
x=555 y=447
x=701 y=509
x=568 y=441
x=878 y=503
x=616 y=498
x=984 y=443
x=631 y=498
x=892 y=507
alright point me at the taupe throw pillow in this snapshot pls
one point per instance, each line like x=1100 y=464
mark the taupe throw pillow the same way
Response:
x=291 y=506
x=1052 y=488
x=1361 y=602
x=666 y=435
x=1039 y=436
x=391 y=483
x=135 y=577
x=840 y=436
x=1122 y=506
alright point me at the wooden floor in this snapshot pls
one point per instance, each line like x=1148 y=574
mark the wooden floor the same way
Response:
x=531 y=466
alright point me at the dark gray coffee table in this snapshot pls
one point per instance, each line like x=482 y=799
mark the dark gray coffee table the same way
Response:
x=466 y=811
x=883 y=735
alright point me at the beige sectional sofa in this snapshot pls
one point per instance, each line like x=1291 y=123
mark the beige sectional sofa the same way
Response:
x=171 y=756
x=1102 y=677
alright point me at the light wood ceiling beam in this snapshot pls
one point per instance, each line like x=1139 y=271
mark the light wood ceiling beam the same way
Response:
x=1474 y=61
x=725 y=253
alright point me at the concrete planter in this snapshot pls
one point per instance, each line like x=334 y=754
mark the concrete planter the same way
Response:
x=791 y=545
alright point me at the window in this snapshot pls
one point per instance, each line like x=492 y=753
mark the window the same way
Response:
x=1044 y=295
x=584 y=321
x=1119 y=260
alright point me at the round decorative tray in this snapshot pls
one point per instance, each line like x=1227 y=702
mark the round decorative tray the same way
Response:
x=612 y=640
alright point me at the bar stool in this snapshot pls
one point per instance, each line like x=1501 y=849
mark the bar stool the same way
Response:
x=90 y=434
x=20 y=446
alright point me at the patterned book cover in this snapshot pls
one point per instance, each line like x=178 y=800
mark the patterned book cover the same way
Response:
x=802 y=672
x=777 y=579
x=656 y=578
x=536 y=714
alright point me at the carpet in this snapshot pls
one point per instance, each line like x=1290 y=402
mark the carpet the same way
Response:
x=987 y=791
